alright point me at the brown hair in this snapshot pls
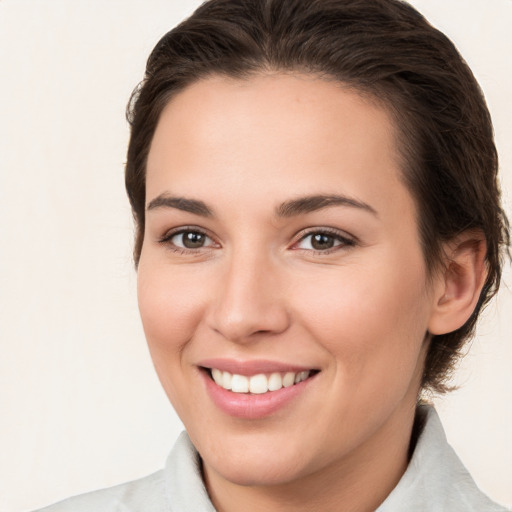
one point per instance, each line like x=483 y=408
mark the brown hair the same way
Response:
x=383 y=48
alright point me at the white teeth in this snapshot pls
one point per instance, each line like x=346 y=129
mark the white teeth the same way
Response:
x=257 y=384
x=304 y=375
x=275 y=382
x=226 y=380
x=217 y=376
x=301 y=376
x=240 y=384
x=288 y=379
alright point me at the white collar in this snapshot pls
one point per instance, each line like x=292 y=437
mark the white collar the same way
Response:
x=435 y=480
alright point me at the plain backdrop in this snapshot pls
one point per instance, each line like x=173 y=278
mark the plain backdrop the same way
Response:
x=80 y=406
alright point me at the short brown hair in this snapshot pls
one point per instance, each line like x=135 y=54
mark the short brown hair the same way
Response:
x=383 y=48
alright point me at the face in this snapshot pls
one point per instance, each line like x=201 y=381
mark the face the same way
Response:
x=281 y=284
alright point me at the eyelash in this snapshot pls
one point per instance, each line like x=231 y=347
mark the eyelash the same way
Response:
x=344 y=240
x=167 y=240
x=337 y=236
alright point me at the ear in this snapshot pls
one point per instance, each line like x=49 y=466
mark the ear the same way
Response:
x=459 y=283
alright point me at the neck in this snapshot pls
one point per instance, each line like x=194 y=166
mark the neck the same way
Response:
x=358 y=483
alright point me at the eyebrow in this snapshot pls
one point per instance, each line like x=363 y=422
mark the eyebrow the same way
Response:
x=313 y=203
x=301 y=205
x=180 y=203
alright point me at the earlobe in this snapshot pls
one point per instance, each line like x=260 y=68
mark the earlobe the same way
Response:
x=460 y=283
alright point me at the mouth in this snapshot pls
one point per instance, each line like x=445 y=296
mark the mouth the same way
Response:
x=260 y=383
x=257 y=389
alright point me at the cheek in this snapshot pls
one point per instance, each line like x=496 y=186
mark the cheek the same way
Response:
x=372 y=319
x=171 y=306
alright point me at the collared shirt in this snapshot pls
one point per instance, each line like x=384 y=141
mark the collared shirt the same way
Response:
x=435 y=481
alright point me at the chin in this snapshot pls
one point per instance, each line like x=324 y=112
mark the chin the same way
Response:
x=256 y=470
x=252 y=463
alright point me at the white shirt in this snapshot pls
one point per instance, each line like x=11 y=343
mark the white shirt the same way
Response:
x=435 y=481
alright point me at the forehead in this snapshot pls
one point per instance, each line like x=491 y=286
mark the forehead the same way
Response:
x=222 y=134
x=275 y=102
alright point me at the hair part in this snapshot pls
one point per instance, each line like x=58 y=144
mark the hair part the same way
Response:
x=383 y=49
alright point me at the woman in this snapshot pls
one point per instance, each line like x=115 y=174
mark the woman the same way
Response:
x=317 y=179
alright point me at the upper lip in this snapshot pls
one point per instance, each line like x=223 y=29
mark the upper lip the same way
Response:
x=252 y=367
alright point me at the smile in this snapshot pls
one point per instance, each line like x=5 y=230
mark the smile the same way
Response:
x=257 y=384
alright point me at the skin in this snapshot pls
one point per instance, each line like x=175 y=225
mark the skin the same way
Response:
x=359 y=312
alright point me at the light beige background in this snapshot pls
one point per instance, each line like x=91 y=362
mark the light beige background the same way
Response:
x=80 y=406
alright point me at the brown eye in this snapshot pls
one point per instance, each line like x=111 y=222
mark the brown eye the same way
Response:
x=191 y=240
x=323 y=241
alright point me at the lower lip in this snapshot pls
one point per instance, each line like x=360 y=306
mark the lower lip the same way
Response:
x=249 y=406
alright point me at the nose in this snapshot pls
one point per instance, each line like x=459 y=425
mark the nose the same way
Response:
x=250 y=301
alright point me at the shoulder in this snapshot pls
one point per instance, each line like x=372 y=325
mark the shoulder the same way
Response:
x=436 y=480
x=178 y=487
x=147 y=493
